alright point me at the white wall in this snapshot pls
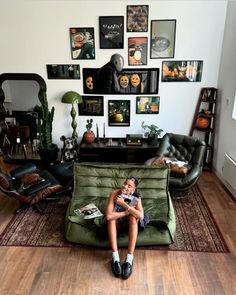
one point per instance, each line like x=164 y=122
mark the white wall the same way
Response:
x=226 y=125
x=36 y=33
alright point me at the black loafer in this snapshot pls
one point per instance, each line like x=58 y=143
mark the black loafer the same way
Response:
x=126 y=270
x=116 y=268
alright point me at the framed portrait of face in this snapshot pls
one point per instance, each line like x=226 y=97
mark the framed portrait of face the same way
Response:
x=111 y=32
x=82 y=43
x=137 y=51
x=119 y=113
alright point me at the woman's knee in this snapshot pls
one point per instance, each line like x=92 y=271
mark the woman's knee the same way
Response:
x=133 y=221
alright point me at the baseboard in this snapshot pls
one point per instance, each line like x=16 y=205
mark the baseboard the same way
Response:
x=226 y=185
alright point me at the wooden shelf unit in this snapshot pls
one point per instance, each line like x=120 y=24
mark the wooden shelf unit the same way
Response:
x=206 y=111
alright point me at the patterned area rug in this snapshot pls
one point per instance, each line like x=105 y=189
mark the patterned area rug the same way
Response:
x=196 y=228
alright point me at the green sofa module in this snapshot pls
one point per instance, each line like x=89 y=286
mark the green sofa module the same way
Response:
x=94 y=182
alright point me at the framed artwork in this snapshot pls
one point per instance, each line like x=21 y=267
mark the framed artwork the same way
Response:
x=130 y=81
x=163 y=38
x=182 y=71
x=82 y=43
x=137 y=18
x=119 y=112
x=63 y=71
x=147 y=104
x=91 y=106
x=111 y=32
x=137 y=51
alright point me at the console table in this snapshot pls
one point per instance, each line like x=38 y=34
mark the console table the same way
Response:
x=116 y=150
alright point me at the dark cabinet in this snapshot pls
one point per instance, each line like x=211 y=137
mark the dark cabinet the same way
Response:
x=203 y=124
x=116 y=151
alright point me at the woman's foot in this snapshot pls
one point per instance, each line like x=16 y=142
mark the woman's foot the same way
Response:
x=116 y=268
x=126 y=270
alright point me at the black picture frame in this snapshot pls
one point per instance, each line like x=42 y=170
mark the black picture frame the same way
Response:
x=70 y=71
x=147 y=104
x=91 y=106
x=119 y=113
x=137 y=18
x=163 y=38
x=111 y=32
x=82 y=43
x=137 y=51
x=182 y=71
x=149 y=81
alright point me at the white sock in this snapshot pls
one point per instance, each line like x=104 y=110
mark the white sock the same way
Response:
x=115 y=256
x=130 y=258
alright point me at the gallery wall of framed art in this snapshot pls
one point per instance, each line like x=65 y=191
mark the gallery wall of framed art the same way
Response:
x=55 y=46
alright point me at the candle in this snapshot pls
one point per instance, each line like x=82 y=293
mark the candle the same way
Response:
x=97 y=131
x=104 y=134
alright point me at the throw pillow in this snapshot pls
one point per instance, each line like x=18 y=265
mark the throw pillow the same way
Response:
x=28 y=180
x=160 y=162
x=177 y=168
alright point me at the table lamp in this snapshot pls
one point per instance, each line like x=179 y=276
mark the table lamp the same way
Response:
x=72 y=97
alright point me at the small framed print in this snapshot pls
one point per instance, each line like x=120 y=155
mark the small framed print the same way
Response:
x=82 y=43
x=91 y=106
x=63 y=71
x=119 y=113
x=137 y=51
x=137 y=18
x=147 y=104
x=182 y=71
x=111 y=32
x=163 y=38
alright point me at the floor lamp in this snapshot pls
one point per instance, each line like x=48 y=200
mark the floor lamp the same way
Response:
x=72 y=97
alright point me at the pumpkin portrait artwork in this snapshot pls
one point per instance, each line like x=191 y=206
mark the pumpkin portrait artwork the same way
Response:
x=202 y=122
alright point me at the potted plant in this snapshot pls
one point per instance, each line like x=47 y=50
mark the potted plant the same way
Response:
x=89 y=135
x=152 y=132
x=47 y=150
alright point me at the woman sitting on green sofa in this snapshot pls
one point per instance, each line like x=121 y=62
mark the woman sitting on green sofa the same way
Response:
x=124 y=210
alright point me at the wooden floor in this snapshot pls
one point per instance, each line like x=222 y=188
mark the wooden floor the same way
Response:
x=67 y=271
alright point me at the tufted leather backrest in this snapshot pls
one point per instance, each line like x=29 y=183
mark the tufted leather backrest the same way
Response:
x=182 y=147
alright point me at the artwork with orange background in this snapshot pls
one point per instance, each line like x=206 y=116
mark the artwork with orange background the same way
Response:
x=182 y=71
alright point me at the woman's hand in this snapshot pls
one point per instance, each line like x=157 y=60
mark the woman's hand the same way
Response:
x=121 y=202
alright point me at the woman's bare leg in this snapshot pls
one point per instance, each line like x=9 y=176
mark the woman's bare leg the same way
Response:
x=112 y=234
x=133 y=232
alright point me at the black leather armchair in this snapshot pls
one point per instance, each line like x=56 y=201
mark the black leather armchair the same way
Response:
x=185 y=148
x=30 y=186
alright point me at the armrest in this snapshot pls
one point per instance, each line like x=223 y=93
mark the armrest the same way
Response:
x=28 y=168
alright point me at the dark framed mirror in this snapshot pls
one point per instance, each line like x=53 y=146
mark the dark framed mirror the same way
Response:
x=18 y=118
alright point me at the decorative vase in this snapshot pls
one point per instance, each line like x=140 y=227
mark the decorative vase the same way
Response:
x=89 y=136
x=152 y=140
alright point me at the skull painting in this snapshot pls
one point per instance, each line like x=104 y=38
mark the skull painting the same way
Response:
x=124 y=81
x=135 y=80
x=89 y=82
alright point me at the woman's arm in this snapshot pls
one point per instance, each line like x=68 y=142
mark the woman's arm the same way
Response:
x=110 y=213
x=136 y=211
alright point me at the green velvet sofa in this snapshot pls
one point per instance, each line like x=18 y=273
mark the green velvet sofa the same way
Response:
x=94 y=182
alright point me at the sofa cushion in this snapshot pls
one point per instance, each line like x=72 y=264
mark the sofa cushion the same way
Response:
x=94 y=182
x=177 y=168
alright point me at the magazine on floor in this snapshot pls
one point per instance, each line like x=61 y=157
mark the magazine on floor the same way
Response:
x=89 y=211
